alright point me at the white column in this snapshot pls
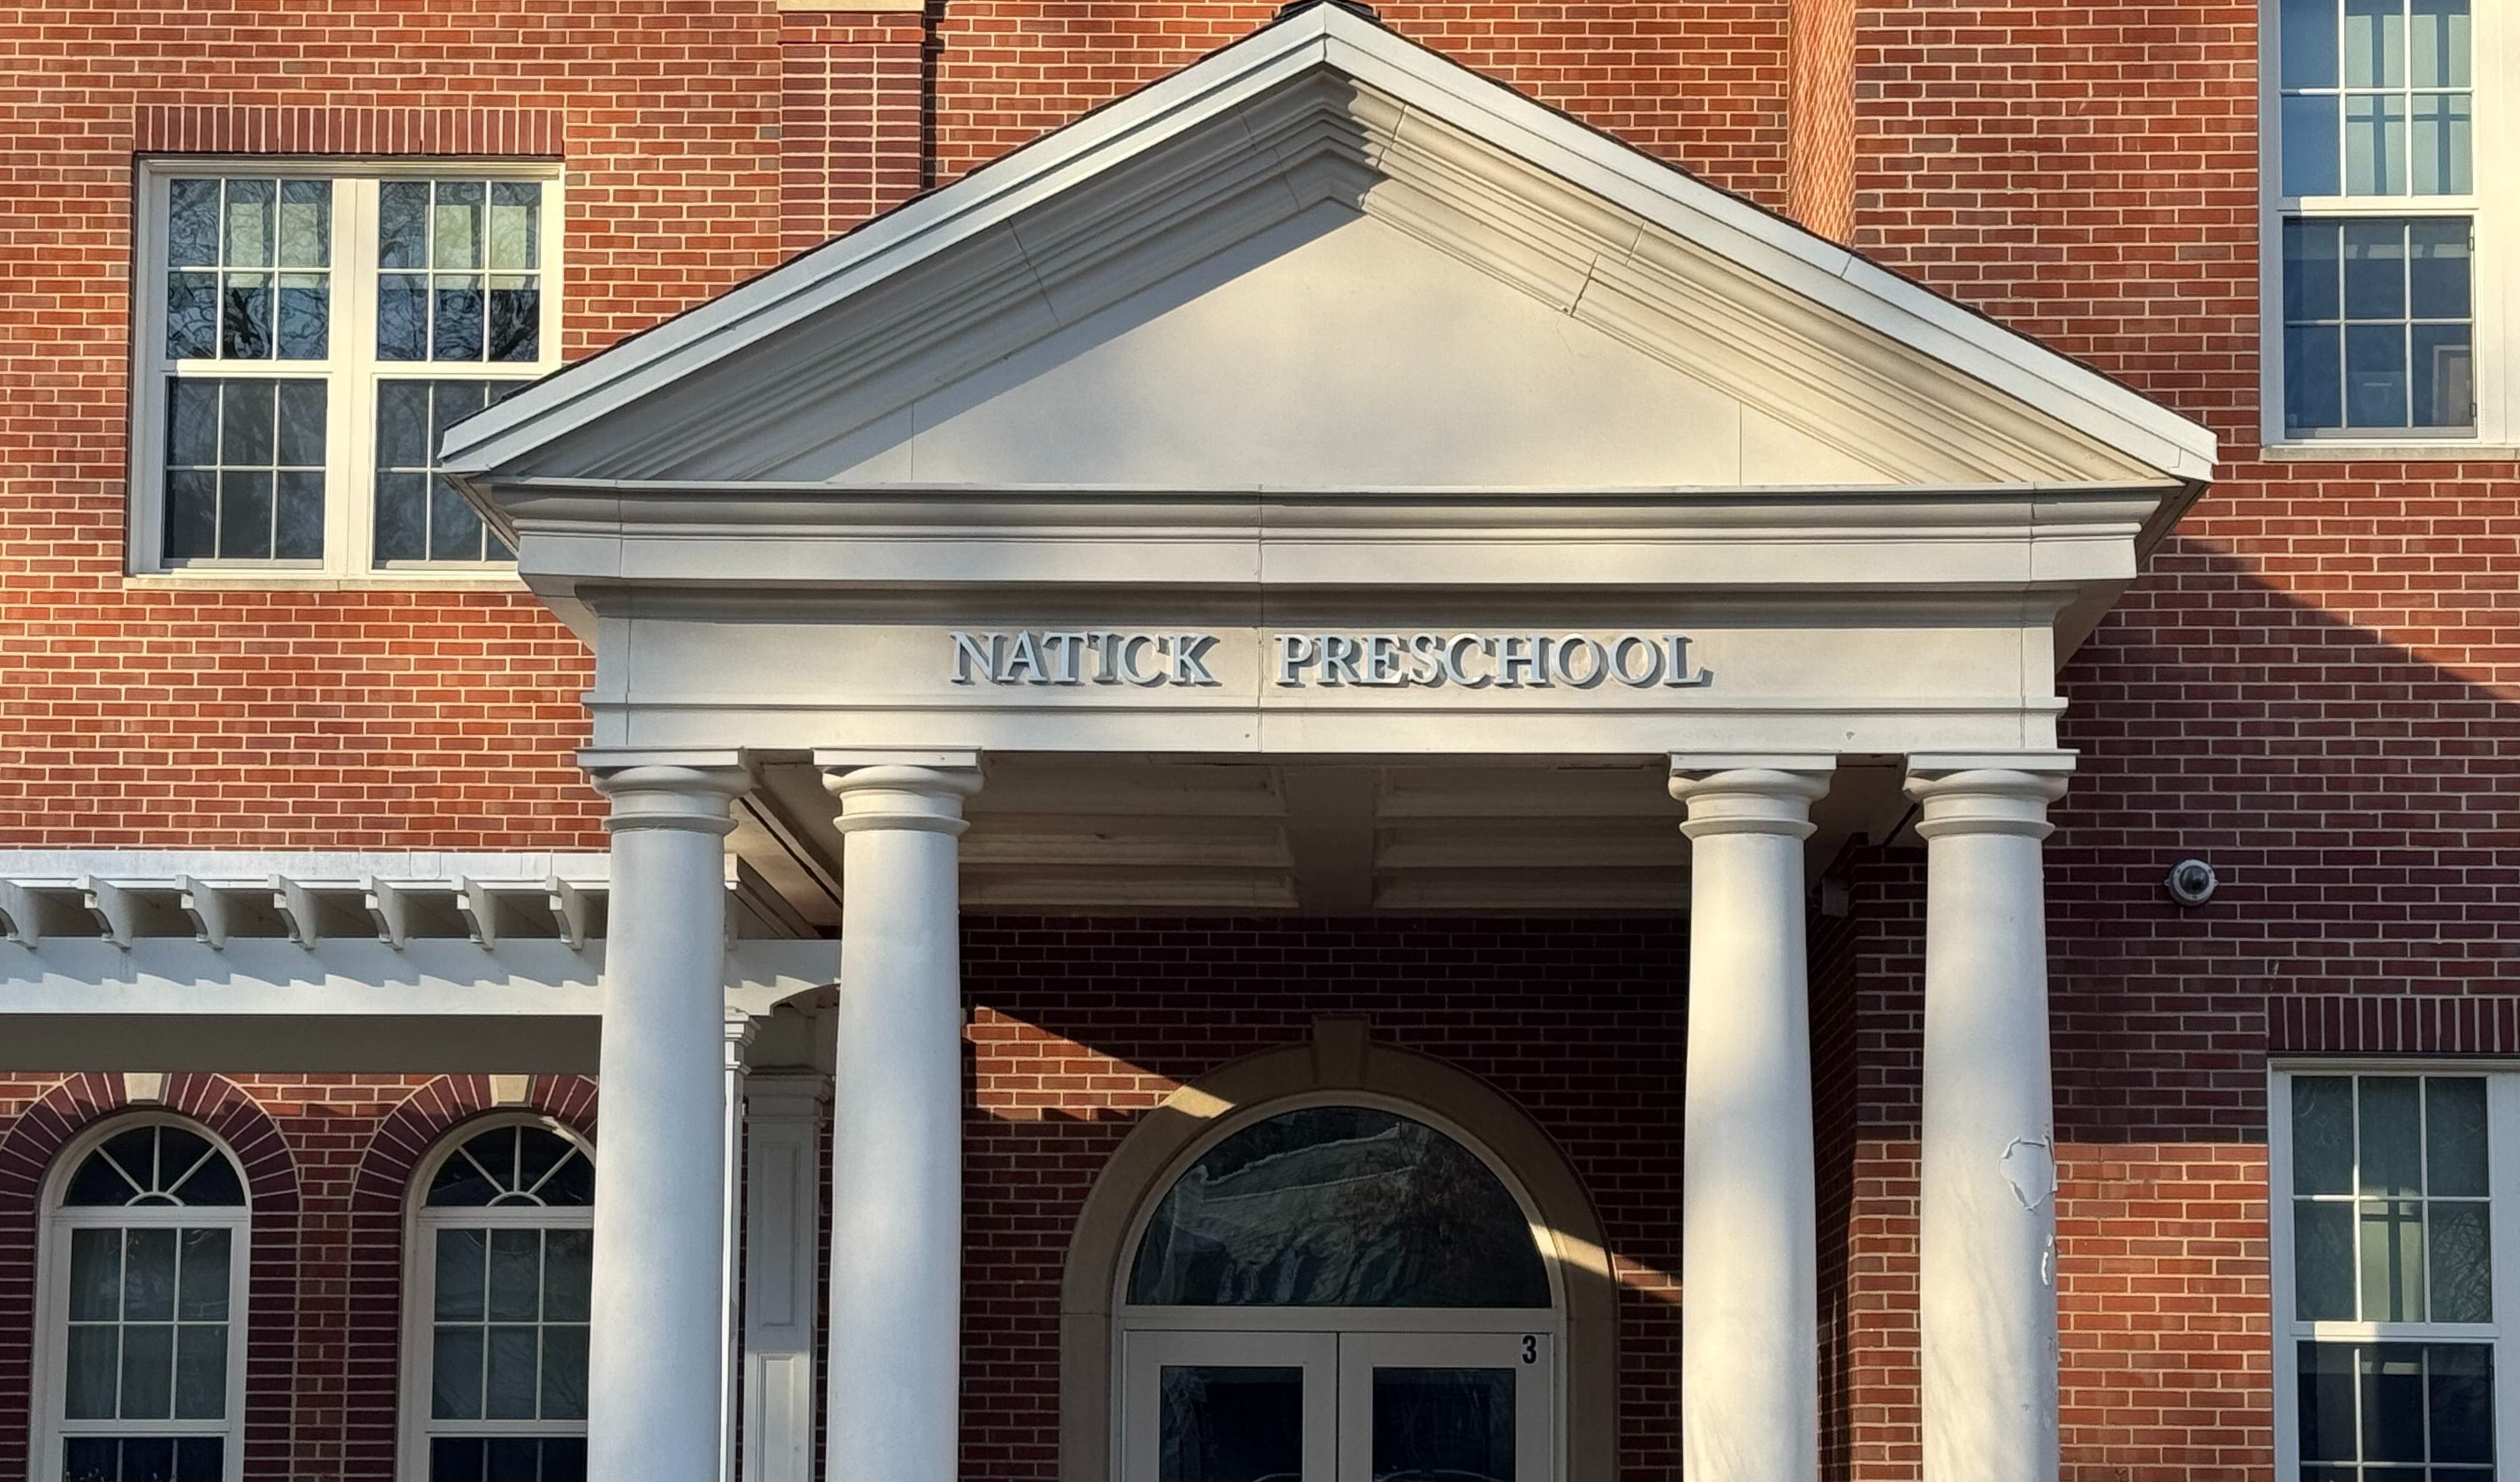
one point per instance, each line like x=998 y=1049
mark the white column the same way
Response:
x=1749 y=1356
x=738 y=1040
x=1986 y=1231
x=783 y=1185
x=659 y=1316
x=895 y=1348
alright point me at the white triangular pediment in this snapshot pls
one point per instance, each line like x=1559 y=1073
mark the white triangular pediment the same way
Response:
x=1326 y=259
x=1332 y=349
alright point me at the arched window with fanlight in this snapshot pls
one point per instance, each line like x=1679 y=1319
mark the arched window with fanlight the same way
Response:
x=144 y=1300
x=496 y=1304
x=1338 y=1293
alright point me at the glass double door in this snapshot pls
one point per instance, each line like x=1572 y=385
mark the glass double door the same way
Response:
x=1338 y=1407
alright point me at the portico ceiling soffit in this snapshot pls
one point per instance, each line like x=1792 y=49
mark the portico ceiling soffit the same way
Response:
x=1322 y=260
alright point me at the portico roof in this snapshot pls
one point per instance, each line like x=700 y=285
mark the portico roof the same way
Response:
x=1703 y=340
x=1325 y=346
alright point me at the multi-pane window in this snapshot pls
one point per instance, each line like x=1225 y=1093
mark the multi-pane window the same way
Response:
x=2380 y=98
x=306 y=342
x=249 y=269
x=418 y=514
x=460 y=274
x=504 y=1249
x=2379 y=322
x=2388 y=1324
x=244 y=468
x=148 y=1245
x=2374 y=217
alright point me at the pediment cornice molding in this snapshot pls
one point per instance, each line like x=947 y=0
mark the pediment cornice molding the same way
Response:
x=667 y=510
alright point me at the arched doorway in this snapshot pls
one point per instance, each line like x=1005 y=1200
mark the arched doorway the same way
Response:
x=1338 y=1293
x=1352 y=1245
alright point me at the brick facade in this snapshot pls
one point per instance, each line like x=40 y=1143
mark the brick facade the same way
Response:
x=2316 y=684
x=851 y=124
x=134 y=714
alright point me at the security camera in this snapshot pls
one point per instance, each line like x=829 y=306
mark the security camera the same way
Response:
x=2190 y=883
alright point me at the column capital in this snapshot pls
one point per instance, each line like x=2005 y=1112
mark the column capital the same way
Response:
x=741 y=1032
x=921 y=790
x=1749 y=795
x=2001 y=799
x=693 y=790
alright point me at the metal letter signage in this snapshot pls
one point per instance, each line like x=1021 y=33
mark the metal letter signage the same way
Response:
x=1078 y=657
x=1335 y=660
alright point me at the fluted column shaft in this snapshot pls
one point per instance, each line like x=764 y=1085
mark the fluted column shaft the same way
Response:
x=1750 y=1293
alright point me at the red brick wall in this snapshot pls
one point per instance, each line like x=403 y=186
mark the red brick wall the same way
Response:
x=1836 y=1009
x=1820 y=116
x=1703 y=83
x=850 y=131
x=2088 y=175
x=1878 y=1378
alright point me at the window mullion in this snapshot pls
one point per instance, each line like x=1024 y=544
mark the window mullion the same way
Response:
x=354 y=351
x=149 y=397
x=2502 y=1190
x=2354 y=1190
x=2488 y=79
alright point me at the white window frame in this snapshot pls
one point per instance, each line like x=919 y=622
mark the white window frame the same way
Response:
x=2503 y=1147
x=53 y=1293
x=420 y=1285
x=1146 y=1336
x=2490 y=209
x=353 y=368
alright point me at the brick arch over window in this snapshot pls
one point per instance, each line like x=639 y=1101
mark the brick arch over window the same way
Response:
x=380 y=1201
x=432 y=1110
x=27 y=1154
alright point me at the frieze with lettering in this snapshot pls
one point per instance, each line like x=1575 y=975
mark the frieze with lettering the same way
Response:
x=1069 y=656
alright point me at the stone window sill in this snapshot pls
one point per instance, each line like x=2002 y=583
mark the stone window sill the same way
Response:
x=2389 y=452
x=319 y=581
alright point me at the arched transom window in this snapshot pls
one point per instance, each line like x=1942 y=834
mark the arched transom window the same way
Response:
x=1338 y=1293
x=504 y=1235
x=145 y=1301
x=1338 y=1206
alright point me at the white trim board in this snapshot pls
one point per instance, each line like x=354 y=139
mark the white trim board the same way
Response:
x=218 y=897
x=347 y=1005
